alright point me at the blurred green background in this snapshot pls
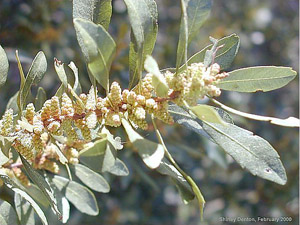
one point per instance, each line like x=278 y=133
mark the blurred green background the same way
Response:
x=269 y=32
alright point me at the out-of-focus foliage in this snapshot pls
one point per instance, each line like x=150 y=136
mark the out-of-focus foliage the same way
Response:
x=269 y=36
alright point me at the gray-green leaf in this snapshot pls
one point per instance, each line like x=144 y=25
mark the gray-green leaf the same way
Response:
x=8 y=215
x=152 y=153
x=35 y=74
x=14 y=187
x=40 y=98
x=250 y=151
x=260 y=78
x=224 y=55
x=91 y=179
x=97 y=11
x=81 y=197
x=98 y=48
x=119 y=168
x=3 y=66
x=24 y=210
x=143 y=19
x=42 y=184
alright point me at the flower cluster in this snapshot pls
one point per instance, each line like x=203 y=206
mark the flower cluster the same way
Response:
x=76 y=118
x=195 y=83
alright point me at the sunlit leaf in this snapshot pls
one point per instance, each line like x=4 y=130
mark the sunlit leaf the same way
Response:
x=81 y=197
x=207 y=113
x=98 y=48
x=143 y=18
x=91 y=179
x=76 y=86
x=60 y=70
x=152 y=153
x=260 y=78
x=3 y=66
x=158 y=80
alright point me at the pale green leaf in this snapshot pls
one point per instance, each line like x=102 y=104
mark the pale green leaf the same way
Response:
x=60 y=70
x=158 y=80
x=24 y=210
x=42 y=184
x=3 y=66
x=14 y=187
x=152 y=153
x=119 y=168
x=97 y=11
x=250 y=151
x=81 y=197
x=98 y=156
x=36 y=72
x=98 y=48
x=260 y=78
x=143 y=18
x=91 y=179
x=207 y=113
x=37 y=195
x=8 y=215
x=76 y=86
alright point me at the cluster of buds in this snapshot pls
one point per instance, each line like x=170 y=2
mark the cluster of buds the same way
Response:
x=195 y=83
x=76 y=118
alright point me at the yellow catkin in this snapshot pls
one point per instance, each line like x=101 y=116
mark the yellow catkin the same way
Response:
x=6 y=123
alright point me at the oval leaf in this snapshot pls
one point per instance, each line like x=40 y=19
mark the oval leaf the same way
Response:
x=8 y=215
x=143 y=18
x=158 y=81
x=91 y=179
x=98 y=48
x=250 y=151
x=152 y=153
x=81 y=197
x=207 y=113
x=260 y=78
x=3 y=66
